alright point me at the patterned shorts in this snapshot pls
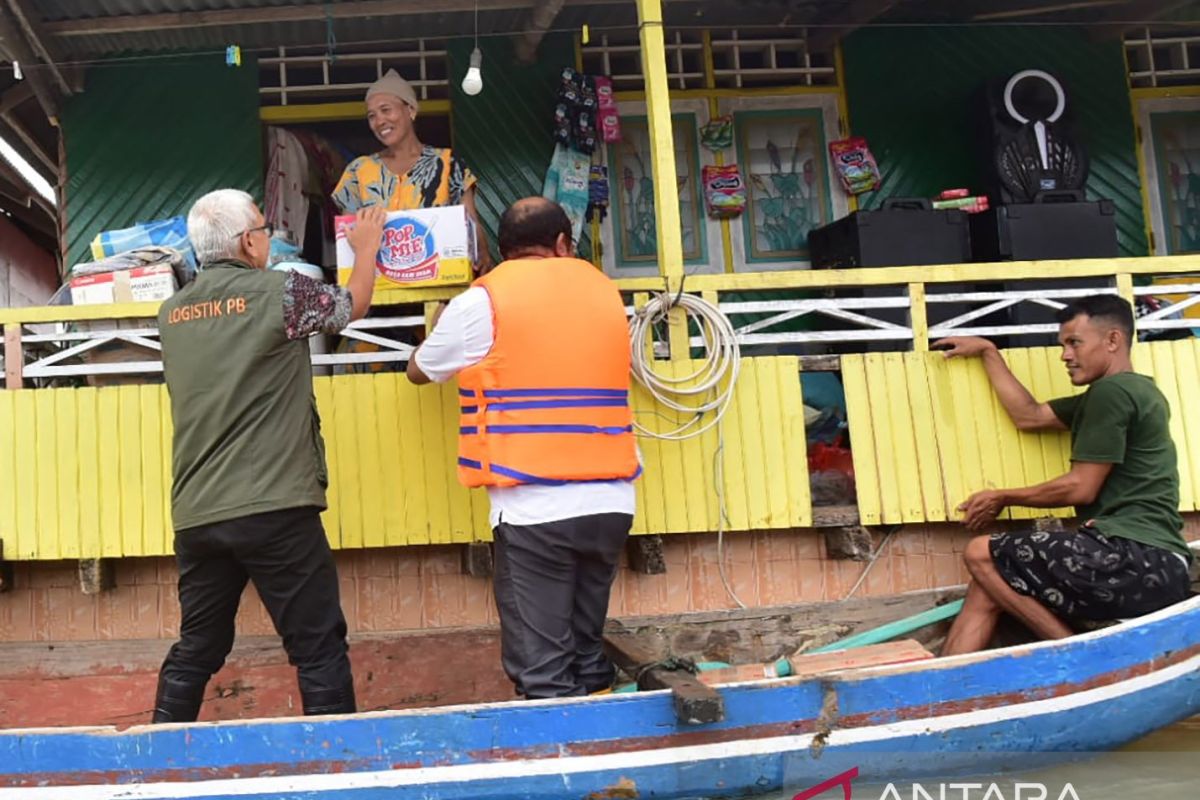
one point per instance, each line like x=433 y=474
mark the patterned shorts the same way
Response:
x=1086 y=575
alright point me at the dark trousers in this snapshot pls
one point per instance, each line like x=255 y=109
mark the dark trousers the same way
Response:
x=552 y=585
x=287 y=556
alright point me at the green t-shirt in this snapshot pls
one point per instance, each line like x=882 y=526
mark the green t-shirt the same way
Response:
x=1124 y=420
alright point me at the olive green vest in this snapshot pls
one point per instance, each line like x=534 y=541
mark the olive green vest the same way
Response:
x=247 y=435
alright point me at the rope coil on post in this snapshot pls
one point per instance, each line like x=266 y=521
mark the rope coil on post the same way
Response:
x=705 y=393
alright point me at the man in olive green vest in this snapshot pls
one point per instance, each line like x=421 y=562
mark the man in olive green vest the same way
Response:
x=249 y=462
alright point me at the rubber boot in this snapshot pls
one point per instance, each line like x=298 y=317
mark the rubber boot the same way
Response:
x=177 y=701
x=329 y=701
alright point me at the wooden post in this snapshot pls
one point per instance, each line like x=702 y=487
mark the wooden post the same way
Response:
x=662 y=140
x=1125 y=290
x=645 y=555
x=96 y=575
x=918 y=317
x=477 y=560
x=695 y=703
x=14 y=359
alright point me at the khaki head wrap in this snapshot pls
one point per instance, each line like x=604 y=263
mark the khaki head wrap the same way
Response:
x=391 y=83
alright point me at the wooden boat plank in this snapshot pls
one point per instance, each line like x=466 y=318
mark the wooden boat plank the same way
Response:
x=695 y=703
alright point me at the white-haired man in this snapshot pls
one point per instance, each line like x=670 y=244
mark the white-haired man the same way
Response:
x=249 y=463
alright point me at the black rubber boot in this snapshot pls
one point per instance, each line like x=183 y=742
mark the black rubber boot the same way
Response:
x=329 y=701
x=177 y=701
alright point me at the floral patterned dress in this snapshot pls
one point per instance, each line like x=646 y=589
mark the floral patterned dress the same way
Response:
x=436 y=179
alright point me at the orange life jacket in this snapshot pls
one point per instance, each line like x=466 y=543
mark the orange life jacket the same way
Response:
x=549 y=403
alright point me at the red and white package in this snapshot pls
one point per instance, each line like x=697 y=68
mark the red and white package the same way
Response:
x=610 y=121
x=855 y=165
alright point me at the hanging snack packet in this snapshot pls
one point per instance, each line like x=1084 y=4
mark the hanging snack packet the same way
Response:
x=610 y=120
x=855 y=165
x=724 y=191
x=717 y=133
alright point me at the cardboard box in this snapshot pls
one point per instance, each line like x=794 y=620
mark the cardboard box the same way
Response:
x=423 y=247
x=141 y=284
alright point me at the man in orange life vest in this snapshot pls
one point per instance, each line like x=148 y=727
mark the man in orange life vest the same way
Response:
x=540 y=346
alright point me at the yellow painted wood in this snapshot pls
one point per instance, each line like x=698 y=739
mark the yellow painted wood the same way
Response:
x=393 y=489
x=1187 y=371
x=945 y=421
x=797 y=279
x=88 y=480
x=771 y=458
x=919 y=317
x=907 y=475
x=795 y=458
x=862 y=434
x=154 y=536
x=45 y=442
x=167 y=433
x=343 y=441
x=25 y=475
x=8 y=468
x=333 y=112
x=749 y=442
x=129 y=472
x=662 y=142
x=926 y=440
x=1163 y=359
x=436 y=464
x=66 y=468
x=369 y=420
x=107 y=470
x=927 y=432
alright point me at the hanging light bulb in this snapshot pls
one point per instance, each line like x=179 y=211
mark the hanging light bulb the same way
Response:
x=473 y=81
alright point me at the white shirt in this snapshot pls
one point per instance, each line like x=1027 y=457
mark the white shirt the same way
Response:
x=461 y=338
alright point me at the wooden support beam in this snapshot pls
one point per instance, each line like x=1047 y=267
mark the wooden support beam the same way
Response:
x=273 y=15
x=835 y=516
x=645 y=555
x=96 y=575
x=662 y=142
x=20 y=51
x=540 y=21
x=695 y=703
x=6 y=572
x=15 y=96
x=29 y=27
x=852 y=543
x=14 y=357
x=477 y=560
x=1139 y=13
x=11 y=123
x=849 y=19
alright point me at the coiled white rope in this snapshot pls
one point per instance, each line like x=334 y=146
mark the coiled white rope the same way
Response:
x=704 y=394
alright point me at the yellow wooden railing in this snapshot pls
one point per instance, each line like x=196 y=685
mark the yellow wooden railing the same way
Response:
x=84 y=472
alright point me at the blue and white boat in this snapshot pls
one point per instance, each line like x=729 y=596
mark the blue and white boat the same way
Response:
x=987 y=711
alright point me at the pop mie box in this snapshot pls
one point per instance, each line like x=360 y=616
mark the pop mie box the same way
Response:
x=422 y=247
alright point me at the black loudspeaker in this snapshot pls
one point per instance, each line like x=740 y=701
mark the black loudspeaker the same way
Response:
x=1022 y=138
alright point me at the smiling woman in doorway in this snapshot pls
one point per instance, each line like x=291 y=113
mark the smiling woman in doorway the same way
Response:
x=406 y=174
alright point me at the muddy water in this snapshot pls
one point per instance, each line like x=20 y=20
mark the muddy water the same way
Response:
x=1163 y=766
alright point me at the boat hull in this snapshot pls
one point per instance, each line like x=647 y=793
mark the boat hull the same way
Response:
x=975 y=714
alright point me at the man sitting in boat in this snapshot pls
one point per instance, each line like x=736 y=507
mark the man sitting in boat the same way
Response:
x=540 y=346
x=1129 y=556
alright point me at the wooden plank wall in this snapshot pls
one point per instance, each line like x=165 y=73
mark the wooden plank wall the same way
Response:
x=928 y=431
x=85 y=473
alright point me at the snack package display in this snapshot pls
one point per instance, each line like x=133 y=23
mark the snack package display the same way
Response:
x=610 y=120
x=717 y=133
x=855 y=165
x=724 y=191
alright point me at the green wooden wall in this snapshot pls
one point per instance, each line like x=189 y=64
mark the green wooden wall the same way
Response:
x=147 y=137
x=909 y=92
